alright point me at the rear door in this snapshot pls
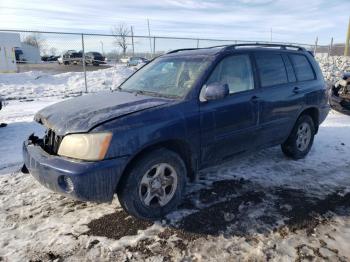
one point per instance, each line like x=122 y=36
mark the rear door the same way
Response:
x=228 y=125
x=278 y=99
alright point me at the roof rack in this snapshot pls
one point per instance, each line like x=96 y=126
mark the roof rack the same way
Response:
x=281 y=46
x=234 y=46
x=179 y=50
x=194 y=48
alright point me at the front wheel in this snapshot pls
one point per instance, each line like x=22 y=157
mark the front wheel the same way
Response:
x=301 y=138
x=154 y=186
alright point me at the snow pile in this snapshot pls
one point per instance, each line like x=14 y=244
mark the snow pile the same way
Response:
x=36 y=84
x=333 y=67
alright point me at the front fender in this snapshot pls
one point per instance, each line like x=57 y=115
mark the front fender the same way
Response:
x=135 y=132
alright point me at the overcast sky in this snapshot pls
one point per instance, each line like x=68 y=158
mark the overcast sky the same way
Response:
x=292 y=21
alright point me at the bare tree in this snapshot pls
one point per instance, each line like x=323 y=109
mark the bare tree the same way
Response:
x=35 y=40
x=53 y=51
x=121 y=33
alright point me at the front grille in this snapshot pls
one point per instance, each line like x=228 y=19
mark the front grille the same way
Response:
x=51 y=142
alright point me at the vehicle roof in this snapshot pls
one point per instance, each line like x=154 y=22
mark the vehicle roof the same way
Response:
x=209 y=51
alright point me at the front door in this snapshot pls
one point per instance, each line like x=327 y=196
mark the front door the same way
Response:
x=228 y=125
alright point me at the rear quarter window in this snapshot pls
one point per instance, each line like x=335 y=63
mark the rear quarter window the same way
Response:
x=302 y=67
x=271 y=69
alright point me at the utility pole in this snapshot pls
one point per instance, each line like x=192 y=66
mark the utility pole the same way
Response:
x=132 y=41
x=149 y=36
x=347 y=43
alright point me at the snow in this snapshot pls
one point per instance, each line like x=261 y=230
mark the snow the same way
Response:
x=36 y=84
x=333 y=66
x=258 y=206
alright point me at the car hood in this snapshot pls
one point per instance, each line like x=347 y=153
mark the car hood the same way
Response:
x=82 y=114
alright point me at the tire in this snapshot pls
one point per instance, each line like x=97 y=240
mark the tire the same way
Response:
x=134 y=192
x=298 y=145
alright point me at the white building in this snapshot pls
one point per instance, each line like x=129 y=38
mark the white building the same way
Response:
x=8 y=42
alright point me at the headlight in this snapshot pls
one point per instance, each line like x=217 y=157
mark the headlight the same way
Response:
x=85 y=146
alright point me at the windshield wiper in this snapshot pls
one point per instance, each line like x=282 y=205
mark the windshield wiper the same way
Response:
x=143 y=92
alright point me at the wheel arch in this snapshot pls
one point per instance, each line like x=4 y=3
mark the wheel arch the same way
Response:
x=314 y=113
x=182 y=148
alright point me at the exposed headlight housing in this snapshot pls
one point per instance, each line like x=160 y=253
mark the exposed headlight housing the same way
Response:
x=91 y=147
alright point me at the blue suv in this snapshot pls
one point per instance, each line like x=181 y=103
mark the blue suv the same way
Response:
x=184 y=111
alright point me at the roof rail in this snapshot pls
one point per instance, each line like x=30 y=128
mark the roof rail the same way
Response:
x=234 y=46
x=179 y=50
x=281 y=46
x=194 y=48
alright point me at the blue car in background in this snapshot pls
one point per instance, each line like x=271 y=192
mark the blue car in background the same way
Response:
x=182 y=112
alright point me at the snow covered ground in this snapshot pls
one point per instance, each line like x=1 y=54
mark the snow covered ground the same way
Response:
x=258 y=206
x=37 y=84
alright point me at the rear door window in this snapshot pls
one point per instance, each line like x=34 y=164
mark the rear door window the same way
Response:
x=302 y=67
x=271 y=69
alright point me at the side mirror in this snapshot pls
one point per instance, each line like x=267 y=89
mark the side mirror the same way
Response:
x=216 y=91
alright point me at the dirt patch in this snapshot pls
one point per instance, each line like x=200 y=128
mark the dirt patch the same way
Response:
x=116 y=225
x=214 y=219
x=306 y=212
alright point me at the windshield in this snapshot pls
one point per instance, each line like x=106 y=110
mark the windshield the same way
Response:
x=169 y=77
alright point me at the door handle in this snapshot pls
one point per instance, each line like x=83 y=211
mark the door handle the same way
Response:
x=296 y=90
x=254 y=99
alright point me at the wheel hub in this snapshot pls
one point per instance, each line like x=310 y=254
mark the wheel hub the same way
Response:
x=155 y=184
x=158 y=185
x=303 y=136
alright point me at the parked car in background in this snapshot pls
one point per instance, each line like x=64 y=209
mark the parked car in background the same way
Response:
x=135 y=61
x=339 y=97
x=124 y=60
x=50 y=58
x=182 y=112
x=72 y=57
x=95 y=58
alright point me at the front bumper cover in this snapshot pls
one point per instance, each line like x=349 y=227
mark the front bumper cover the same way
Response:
x=92 y=181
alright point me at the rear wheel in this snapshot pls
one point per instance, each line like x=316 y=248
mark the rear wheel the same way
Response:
x=154 y=186
x=301 y=138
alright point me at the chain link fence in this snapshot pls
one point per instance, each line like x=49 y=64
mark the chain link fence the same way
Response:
x=57 y=52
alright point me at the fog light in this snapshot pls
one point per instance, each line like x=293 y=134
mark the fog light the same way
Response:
x=66 y=184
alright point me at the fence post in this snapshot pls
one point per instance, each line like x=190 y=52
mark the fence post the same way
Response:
x=132 y=41
x=197 y=43
x=154 y=46
x=330 y=48
x=316 y=42
x=84 y=65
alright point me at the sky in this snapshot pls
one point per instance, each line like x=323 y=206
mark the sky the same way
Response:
x=299 y=21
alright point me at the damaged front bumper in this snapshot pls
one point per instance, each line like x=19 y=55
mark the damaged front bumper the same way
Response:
x=81 y=180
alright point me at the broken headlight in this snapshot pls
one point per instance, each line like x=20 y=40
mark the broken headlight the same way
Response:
x=89 y=147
